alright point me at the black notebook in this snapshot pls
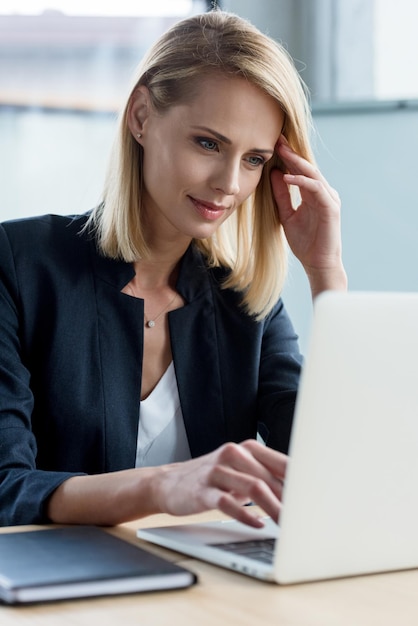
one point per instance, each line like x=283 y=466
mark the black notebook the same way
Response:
x=80 y=561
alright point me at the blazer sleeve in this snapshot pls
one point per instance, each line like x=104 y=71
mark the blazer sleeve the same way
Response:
x=279 y=374
x=24 y=490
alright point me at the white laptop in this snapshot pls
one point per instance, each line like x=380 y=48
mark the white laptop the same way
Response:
x=350 y=503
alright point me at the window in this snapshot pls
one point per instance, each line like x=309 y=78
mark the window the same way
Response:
x=65 y=69
x=396 y=49
x=77 y=54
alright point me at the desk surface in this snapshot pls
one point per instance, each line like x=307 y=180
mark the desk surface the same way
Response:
x=223 y=597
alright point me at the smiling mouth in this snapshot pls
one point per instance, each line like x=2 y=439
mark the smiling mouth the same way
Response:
x=207 y=210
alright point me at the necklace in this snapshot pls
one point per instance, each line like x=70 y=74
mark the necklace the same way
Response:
x=151 y=322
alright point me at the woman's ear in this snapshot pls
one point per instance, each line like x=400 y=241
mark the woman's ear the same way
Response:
x=139 y=108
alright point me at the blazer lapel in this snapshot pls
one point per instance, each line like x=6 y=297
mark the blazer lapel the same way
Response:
x=120 y=329
x=196 y=357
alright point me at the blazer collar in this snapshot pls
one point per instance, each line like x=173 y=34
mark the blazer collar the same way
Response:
x=192 y=281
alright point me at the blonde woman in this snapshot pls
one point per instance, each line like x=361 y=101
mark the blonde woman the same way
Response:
x=145 y=344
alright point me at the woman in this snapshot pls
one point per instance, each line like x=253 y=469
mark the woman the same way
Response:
x=142 y=343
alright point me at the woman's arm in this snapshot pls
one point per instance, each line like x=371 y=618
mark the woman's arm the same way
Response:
x=224 y=479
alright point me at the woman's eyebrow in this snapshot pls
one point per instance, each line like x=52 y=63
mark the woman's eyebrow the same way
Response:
x=228 y=141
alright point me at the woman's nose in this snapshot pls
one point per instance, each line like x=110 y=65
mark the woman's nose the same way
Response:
x=227 y=179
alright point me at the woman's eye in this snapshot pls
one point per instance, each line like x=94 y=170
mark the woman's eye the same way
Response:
x=207 y=144
x=256 y=161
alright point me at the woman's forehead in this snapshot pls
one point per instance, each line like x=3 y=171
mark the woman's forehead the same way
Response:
x=231 y=99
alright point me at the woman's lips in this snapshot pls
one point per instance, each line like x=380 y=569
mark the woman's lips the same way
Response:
x=208 y=210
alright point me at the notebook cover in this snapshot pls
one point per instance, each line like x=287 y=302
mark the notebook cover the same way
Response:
x=80 y=561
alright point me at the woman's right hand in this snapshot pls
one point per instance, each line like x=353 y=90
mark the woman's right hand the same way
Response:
x=225 y=479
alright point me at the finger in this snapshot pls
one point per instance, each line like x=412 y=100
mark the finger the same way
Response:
x=232 y=504
x=298 y=165
x=255 y=460
x=316 y=188
x=228 y=505
x=249 y=481
x=265 y=491
x=276 y=462
x=281 y=195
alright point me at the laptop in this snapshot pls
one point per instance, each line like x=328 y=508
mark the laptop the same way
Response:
x=350 y=501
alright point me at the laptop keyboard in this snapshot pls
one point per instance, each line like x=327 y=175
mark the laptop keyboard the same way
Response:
x=258 y=549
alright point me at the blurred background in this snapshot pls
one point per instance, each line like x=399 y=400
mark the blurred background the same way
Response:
x=66 y=66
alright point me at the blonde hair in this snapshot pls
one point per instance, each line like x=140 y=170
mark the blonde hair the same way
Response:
x=251 y=242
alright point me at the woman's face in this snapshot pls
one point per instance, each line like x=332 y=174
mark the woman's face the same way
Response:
x=204 y=158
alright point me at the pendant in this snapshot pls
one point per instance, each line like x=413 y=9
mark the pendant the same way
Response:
x=150 y=324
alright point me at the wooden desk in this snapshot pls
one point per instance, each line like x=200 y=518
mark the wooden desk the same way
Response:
x=227 y=598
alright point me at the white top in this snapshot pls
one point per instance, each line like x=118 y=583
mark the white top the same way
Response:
x=161 y=434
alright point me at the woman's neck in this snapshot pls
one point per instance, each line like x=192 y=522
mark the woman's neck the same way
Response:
x=159 y=270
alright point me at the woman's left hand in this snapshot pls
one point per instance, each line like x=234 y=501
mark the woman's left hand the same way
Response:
x=313 y=229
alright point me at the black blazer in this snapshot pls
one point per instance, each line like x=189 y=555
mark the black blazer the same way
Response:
x=71 y=360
